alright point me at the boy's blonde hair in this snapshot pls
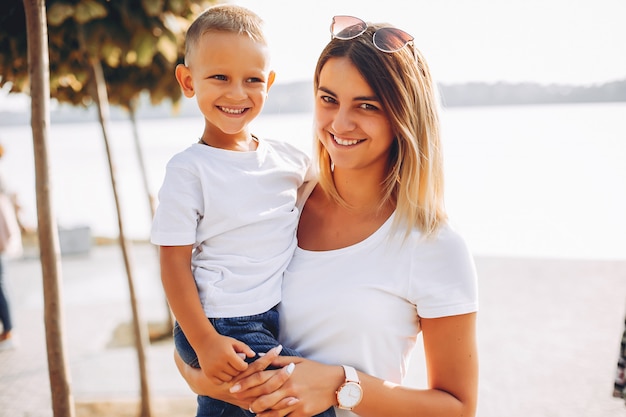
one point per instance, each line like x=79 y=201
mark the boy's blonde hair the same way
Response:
x=224 y=18
x=402 y=82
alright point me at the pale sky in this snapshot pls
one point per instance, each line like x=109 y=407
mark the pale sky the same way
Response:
x=545 y=41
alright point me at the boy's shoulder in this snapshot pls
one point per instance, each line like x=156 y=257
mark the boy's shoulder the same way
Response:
x=288 y=153
x=283 y=147
x=185 y=154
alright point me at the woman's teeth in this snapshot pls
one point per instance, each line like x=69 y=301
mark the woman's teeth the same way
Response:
x=346 y=142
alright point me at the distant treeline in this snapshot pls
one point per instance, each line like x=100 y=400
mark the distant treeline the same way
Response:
x=297 y=97
x=484 y=94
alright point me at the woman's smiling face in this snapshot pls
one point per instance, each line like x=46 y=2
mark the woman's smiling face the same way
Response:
x=349 y=118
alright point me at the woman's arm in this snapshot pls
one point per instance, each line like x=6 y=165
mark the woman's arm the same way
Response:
x=452 y=362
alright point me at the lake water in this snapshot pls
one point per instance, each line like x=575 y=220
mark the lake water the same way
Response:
x=522 y=181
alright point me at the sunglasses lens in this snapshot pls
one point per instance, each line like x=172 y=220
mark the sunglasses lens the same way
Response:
x=391 y=39
x=347 y=27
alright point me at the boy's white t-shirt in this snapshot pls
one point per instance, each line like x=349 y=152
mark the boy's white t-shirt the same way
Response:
x=238 y=210
x=361 y=305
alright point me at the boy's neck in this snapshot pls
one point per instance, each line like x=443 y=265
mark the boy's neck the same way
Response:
x=245 y=144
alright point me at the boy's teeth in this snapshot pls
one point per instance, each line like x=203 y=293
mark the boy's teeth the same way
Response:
x=232 y=111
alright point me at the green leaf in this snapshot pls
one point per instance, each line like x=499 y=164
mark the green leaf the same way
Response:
x=58 y=12
x=153 y=7
x=177 y=6
x=88 y=10
x=168 y=48
x=144 y=44
x=111 y=53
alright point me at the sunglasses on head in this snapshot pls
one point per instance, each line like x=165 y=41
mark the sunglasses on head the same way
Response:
x=388 y=39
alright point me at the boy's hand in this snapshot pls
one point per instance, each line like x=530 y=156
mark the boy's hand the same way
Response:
x=222 y=358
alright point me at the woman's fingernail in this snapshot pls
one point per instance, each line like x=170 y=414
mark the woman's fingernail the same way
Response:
x=289 y=368
x=235 y=388
x=279 y=349
x=292 y=401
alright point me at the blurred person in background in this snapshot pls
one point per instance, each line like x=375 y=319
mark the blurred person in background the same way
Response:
x=10 y=246
x=620 y=377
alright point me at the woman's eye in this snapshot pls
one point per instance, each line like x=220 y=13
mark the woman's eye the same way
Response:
x=328 y=99
x=367 y=106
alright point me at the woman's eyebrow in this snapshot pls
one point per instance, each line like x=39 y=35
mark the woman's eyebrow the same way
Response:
x=359 y=98
x=366 y=98
x=326 y=90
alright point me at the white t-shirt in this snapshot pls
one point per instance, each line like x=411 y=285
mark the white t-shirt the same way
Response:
x=238 y=210
x=361 y=305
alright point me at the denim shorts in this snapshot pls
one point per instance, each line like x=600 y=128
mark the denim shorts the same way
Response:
x=259 y=331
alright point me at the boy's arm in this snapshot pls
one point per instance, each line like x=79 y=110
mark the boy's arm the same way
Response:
x=217 y=354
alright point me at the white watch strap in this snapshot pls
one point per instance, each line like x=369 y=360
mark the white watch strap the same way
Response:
x=351 y=374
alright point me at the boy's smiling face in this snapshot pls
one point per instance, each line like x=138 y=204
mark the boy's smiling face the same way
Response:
x=229 y=75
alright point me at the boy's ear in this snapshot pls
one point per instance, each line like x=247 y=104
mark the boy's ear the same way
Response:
x=183 y=76
x=270 y=80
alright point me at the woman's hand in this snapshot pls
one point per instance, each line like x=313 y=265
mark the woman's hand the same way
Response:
x=313 y=385
x=246 y=387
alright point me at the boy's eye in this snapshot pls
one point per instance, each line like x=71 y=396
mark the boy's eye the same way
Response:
x=219 y=77
x=255 y=80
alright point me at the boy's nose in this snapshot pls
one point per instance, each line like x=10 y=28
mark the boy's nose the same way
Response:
x=237 y=91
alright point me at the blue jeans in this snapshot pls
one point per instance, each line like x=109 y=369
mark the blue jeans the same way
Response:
x=259 y=331
x=5 y=312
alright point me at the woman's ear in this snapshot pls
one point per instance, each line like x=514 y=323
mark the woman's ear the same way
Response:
x=183 y=76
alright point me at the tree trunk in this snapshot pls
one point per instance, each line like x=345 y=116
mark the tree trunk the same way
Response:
x=132 y=110
x=139 y=326
x=39 y=72
x=142 y=166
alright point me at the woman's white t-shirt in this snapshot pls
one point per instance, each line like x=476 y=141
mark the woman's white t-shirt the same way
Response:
x=238 y=210
x=361 y=305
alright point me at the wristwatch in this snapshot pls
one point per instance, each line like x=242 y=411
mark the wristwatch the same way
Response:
x=350 y=393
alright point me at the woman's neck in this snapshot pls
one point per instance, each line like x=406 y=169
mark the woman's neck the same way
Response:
x=362 y=191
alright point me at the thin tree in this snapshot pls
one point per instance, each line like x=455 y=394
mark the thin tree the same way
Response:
x=99 y=94
x=38 y=64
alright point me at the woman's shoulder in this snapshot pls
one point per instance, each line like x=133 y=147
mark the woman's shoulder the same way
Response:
x=448 y=238
x=443 y=250
x=444 y=279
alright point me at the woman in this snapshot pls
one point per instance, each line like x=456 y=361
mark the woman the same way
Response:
x=377 y=261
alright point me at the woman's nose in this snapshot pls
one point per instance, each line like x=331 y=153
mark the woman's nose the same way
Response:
x=342 y=121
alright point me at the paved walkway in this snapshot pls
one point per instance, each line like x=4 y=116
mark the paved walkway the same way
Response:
x=549 y=332
x=96 y=302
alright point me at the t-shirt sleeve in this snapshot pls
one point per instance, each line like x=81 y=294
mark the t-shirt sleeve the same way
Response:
x=443 y=276
x=180 y=207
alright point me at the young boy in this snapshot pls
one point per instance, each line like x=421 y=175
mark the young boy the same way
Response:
x=227 y=212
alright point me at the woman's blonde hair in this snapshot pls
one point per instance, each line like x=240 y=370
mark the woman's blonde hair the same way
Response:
x=402 y=82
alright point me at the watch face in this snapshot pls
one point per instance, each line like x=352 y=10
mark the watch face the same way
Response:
x=349 y=395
